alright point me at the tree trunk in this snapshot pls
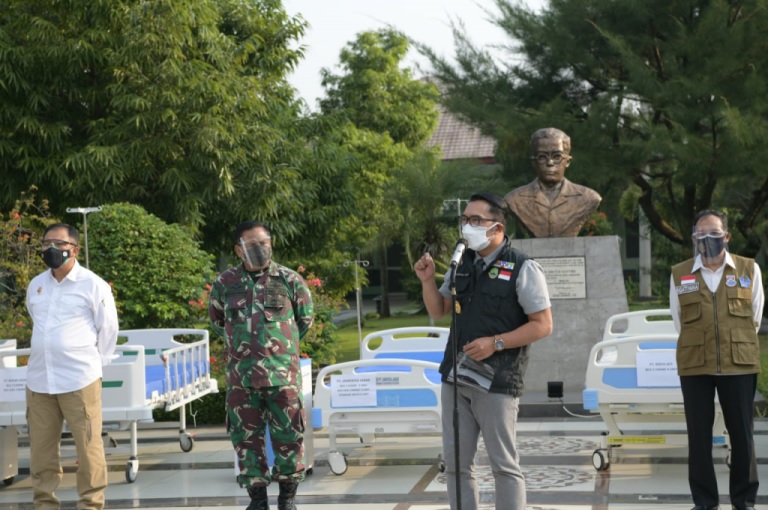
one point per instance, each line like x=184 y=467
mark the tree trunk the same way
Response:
x=383 y=274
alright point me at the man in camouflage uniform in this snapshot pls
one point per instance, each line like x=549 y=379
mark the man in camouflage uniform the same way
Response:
x=263 y=310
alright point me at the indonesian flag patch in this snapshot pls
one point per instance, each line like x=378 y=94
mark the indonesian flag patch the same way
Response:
x=688 y=280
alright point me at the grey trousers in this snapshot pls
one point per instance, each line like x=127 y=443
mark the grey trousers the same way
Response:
x=494 y=415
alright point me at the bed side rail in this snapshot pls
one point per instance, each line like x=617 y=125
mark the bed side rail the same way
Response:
x=643 y=322
x=612 y=377
x=416 y=343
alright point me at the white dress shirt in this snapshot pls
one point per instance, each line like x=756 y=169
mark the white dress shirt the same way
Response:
x=74 y=330
x=712 y=279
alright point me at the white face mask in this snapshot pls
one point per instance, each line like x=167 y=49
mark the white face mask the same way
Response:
x=476 y=237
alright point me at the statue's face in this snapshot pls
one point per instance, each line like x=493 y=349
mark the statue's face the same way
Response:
x=550 y=160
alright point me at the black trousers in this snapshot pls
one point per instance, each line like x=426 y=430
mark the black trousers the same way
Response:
x=737 y=399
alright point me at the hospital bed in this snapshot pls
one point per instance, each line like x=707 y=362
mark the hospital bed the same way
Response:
x=632 y=380
x=393 y=389
x=152 y=370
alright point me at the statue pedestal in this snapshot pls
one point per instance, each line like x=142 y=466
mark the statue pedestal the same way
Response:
x=586 y=286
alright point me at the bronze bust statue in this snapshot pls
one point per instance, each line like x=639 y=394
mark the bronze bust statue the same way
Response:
x=551 y=205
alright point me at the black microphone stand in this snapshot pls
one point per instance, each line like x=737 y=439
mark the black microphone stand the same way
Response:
x=455 y=310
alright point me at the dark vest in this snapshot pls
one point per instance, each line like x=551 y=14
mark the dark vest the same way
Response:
x=489 y=306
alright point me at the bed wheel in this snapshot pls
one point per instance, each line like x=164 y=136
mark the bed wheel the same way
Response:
x=9 y=481
x=600 y=460
x=131 y=470
x=337 y=463
x=186 y=442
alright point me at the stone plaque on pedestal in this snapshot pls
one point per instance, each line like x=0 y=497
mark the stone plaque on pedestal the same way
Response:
x=586 y=286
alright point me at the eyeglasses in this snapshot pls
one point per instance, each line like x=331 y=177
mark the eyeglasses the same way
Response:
x=474 y=220
x=47 y=243
x=701 y=234
x=556 y=157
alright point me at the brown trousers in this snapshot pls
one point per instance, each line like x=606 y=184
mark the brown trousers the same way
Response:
x=45 y=418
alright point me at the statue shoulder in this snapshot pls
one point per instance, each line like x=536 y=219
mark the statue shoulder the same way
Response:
x=587 y=193
x=526 y=189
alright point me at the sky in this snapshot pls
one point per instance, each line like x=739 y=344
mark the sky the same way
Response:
x=335 y=23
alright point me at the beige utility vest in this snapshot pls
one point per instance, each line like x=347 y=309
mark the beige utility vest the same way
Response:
x=717 y=330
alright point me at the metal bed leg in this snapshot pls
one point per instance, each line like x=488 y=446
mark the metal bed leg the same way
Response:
x=186 y=441
x=132 y=466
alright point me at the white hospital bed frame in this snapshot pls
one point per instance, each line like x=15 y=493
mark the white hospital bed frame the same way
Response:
x=611 y=389
x=186 y=377
x=405 y=364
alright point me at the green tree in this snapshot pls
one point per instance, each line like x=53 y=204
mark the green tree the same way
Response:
x=175 y=105
x=157 y=271
x=665 y=99
x=21 y=231
x=391 y=114
x=374 y=93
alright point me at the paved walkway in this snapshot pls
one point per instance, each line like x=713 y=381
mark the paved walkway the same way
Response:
x=396 y=473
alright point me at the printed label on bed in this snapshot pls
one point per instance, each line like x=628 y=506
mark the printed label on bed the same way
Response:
x=657 y=369
x=13 y=384
x=353 y=390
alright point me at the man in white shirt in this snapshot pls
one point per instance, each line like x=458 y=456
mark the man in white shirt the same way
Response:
x=74 y=334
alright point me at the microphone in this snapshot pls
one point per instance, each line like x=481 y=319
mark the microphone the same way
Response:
x=460 y=247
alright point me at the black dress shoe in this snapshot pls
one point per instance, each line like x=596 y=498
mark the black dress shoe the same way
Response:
x=743 y=508
x=702 y=507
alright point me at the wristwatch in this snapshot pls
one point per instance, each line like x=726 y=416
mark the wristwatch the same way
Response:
x=498 y=343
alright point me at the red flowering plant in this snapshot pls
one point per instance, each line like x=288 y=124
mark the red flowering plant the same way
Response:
x=21 y=229
x=320 y=342
x=596 y=225
x=218 y=355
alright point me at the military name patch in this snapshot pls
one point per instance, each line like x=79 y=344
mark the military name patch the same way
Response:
x=687 y=289
x=504 y=264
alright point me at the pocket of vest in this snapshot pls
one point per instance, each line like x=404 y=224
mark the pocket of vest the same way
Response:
x=740 y=302
x=744 y=347
x=690 y=312
x=690 y=349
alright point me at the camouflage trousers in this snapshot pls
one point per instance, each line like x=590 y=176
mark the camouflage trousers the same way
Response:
x=249 y=412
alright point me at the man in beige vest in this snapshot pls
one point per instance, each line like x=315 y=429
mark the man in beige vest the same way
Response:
x=551 y=205
x=716 y=300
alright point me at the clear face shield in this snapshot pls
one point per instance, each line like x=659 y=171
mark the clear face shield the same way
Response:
x=710 y=244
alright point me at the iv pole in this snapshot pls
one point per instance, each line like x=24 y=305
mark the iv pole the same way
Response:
x=84 y=211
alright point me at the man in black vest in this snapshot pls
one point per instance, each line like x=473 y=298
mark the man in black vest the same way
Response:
x=716 y=301
x=502 y=307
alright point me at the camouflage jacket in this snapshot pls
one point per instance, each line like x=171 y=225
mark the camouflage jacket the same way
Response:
x=262 y=317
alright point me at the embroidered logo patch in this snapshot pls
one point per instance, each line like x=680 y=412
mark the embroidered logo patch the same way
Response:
x=744 y=281
x=730 y=280
x=493 y=273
